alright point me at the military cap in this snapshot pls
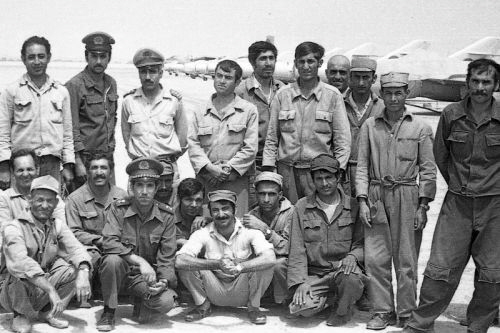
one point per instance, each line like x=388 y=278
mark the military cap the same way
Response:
x=325 y=162
x=394 y=79
x=144 y=167
x=168 y=168
x=46 y=183
x=148 y=57
x=363 y=64
x=222 y=195
x=98 y=41
x=270 y=177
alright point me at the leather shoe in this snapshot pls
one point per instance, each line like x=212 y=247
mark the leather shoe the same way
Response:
x=402 y=321
x=257 y=317
x=106 y=323
x=54 y=322
x=380 y=321
x=21 y=324
x=197 y=314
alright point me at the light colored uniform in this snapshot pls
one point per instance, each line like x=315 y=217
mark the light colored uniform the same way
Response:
x=389 y=161
x=301 y=128
x=231 y=139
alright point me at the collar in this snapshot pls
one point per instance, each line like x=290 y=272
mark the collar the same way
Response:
x=238 y=227
x=29 y=218
x=382 y=116
x=238 y=104
x=162 y=94
x=12 y=193
x=464 y=107
x=345 y=200
x=348 y=96
x=87 y=194
x=155 y=212
x=316 y=92
x=253 y=83
x=89 y=82
x=26 y=80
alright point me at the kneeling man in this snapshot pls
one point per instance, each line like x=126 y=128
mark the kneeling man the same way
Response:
x=326 y=247
x=237 y=266
x=46 y=264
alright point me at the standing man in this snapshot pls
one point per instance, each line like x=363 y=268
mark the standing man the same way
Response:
x=360 y=104
x=223 y=139
x=468 y=157
x=93 y=104
x=307 y=118
x=337 y=72
x=153 y=121
x=395 y=149
x=86 y=207
x=35 y=114
x=272 y=217
x=236 y=267
x=139 y=243
x=45 y=264
x=326 y=247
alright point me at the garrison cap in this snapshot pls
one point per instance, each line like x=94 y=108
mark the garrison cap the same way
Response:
x=148 y=57
x=270 y=177
x=46 y=183
x=394 y=79
x=98 y=41
x=168 y=168
x=325 y=162
x=363 y=64
x=222 y=195
x=144 y=167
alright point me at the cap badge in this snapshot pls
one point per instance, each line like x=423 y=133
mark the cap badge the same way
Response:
x=143 y=165
x=146 y=54
x=98 y=40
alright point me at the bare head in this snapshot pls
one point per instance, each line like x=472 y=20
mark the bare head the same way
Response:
x=337 y=72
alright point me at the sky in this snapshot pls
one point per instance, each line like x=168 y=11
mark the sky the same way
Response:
x=228 y=27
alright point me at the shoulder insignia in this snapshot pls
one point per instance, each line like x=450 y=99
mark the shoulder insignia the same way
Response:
x=129 y=93
x=165 y=207
x=122 y=202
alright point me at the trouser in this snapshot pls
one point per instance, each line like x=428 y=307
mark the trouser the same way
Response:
x=349 y=180
x=50 y=165
x=392 y=238
x=116 y=275
x=347 y=288
x=96 y=259
x=279 y=286
x=253 y=172
x=238 y=186
x=244 y=290
x=23 y=297
x=466 y=227
x=297 y=182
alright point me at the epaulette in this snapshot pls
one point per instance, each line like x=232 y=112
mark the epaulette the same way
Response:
x=164 y=207
x=130 y=93
x=122 y=202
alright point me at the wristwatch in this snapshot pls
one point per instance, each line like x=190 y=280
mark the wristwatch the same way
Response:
x=239 y=268
x=424 y=206
x=267 y=234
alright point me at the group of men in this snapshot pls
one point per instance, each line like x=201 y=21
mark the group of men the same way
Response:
x=314 y=192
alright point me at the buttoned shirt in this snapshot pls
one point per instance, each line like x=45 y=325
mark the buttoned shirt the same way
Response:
x=303 y=127
x=468 y=153
x=397 y=154
x=153 y=128
x=232 y=138
x=182 y=227
x=241 y=245
x=36 y=118
x=151 y=237
x=251 y=90
x=316 y=243
x=93 y=110
x=85 y=215
x=31 y=247
x=375 y=105
x=280 y=226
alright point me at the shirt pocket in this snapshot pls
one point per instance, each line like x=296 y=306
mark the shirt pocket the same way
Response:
x=154 y=240
x=90 y=221
x=323 y=122
x=236 y=133
x=112 y=98
x=345 y=229
x=137 y=124
x=458 y=141
x=492 y=145
x=129 y=241
x=166 y=127
x=407 y=148
x=205 y=135
x=56 y=115
x=94 y=105
x=23 y=111
x=313 y=231
x=286 y=120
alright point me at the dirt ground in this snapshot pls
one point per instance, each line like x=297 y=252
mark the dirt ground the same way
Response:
x=195 y=93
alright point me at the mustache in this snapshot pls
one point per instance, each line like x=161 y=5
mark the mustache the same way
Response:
x=220 y=218
x=479 y=93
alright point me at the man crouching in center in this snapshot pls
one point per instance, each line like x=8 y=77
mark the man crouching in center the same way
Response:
x=237 y=267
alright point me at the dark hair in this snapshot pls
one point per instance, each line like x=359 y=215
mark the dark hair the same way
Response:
x=225 y=202
x=260 y=47
x=483 y=65
x=21 y=153
x=188 y=187
x=97 y=155
x=305 y=48
x=35 y=40
x=228 y=65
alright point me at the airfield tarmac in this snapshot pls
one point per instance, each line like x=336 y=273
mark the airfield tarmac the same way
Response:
x=195 y=93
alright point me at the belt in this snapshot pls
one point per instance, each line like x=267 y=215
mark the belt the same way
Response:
x=172 y=158
x=390 y=182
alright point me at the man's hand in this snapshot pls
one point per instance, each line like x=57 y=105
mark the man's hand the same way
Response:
x=198 y=223
x=157 y=288
x=147 y=272
x=82 y=285
x=67 y=174
x=251 y=222
x=303 y=291
x=420 y=219
x=57 y=304
x=227 y=265
x=176 y=94
x=217 y=172
x=80 y=171
x=348 y=264
x=364 y=213
x=4 y=178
